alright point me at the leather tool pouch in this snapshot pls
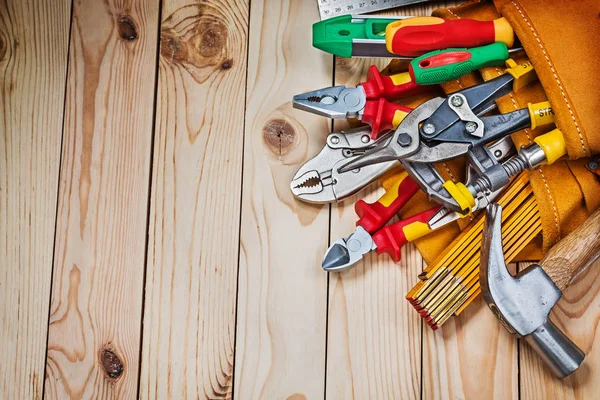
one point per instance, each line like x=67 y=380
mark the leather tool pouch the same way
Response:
x=560 y=39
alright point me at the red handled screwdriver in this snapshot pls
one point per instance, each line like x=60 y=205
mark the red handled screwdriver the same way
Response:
x=413 y=37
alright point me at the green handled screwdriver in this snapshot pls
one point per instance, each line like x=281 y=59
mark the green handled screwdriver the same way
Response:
x=445 y=65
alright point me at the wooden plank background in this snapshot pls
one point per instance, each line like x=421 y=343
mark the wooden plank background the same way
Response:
x=150 y=246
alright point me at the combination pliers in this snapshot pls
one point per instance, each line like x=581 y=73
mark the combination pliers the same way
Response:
x=368 y=102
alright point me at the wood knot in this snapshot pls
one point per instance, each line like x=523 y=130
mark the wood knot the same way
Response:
x=111 y=363
x=279 y=136
x=227 y=64
x=127 y=29
x=213 y=38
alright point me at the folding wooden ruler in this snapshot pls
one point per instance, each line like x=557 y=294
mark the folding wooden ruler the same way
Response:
x=333 y=8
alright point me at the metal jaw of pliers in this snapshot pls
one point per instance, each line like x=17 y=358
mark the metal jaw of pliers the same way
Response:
x=370 y=101
x=318 y=180
x=346 y=252
x=445 y=128
x=337 y=102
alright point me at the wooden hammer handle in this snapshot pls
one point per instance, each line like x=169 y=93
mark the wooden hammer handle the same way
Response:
x=573 y=253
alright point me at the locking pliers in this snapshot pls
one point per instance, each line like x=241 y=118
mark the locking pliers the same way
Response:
x=318 y=180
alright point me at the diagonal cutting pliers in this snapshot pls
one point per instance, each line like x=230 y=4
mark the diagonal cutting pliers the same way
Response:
x=372 y=233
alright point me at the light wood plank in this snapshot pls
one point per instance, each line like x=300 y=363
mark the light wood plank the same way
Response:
x=33 y=61
x=374 y=341
x=97 y=287
x=189 y=318
x=470 y=356
x=374 y=335
x=577 y=314
x=282 y=299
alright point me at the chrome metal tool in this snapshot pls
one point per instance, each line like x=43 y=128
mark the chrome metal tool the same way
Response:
x=318 y=180
x=523 y=302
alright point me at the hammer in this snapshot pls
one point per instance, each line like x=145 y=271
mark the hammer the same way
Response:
x=523 y=302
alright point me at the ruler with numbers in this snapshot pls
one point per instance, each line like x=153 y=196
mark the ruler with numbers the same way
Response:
x=333 y=8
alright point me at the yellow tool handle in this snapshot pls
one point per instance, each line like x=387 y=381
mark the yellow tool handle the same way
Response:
x=574 y=253
x=553 y=145
x=523 y=73
x=540 y=113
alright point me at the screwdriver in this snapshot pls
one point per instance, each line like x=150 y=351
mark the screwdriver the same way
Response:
x=414 y=36
x=444 y=65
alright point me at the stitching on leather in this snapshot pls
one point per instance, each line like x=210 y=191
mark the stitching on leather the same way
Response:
x=554 y=210
x=512 y=98
x=555 y=76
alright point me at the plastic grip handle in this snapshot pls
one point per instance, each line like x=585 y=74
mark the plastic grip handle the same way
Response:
x=390 y=88
x=444 y=65
x=540 y=114
x=415 y=36
x=553 y=145
x=391 y=238
x=375 y=215
x=381 y=115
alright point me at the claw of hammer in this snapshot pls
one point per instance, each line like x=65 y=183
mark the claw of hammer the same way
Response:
x=523 y=302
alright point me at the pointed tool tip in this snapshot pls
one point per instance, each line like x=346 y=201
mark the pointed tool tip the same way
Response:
x=337 y=257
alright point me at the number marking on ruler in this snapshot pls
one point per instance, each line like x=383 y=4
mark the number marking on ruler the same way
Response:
x=333 y=8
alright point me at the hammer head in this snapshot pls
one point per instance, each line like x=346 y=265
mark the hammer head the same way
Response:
x=522 y=302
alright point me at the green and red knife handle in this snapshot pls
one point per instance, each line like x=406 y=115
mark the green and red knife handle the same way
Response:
x=413 y=37
x=373 y=217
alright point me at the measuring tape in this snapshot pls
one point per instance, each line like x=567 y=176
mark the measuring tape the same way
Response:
x=333 y=8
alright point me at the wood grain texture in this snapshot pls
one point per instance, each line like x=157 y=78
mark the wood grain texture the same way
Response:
x=374 y=341
x=280 y=345
x=577 y=314
x=94 y=333
x=374 y=335
x=33 y=62
x=574 y=252
x=189 y=318
x=470 y=355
